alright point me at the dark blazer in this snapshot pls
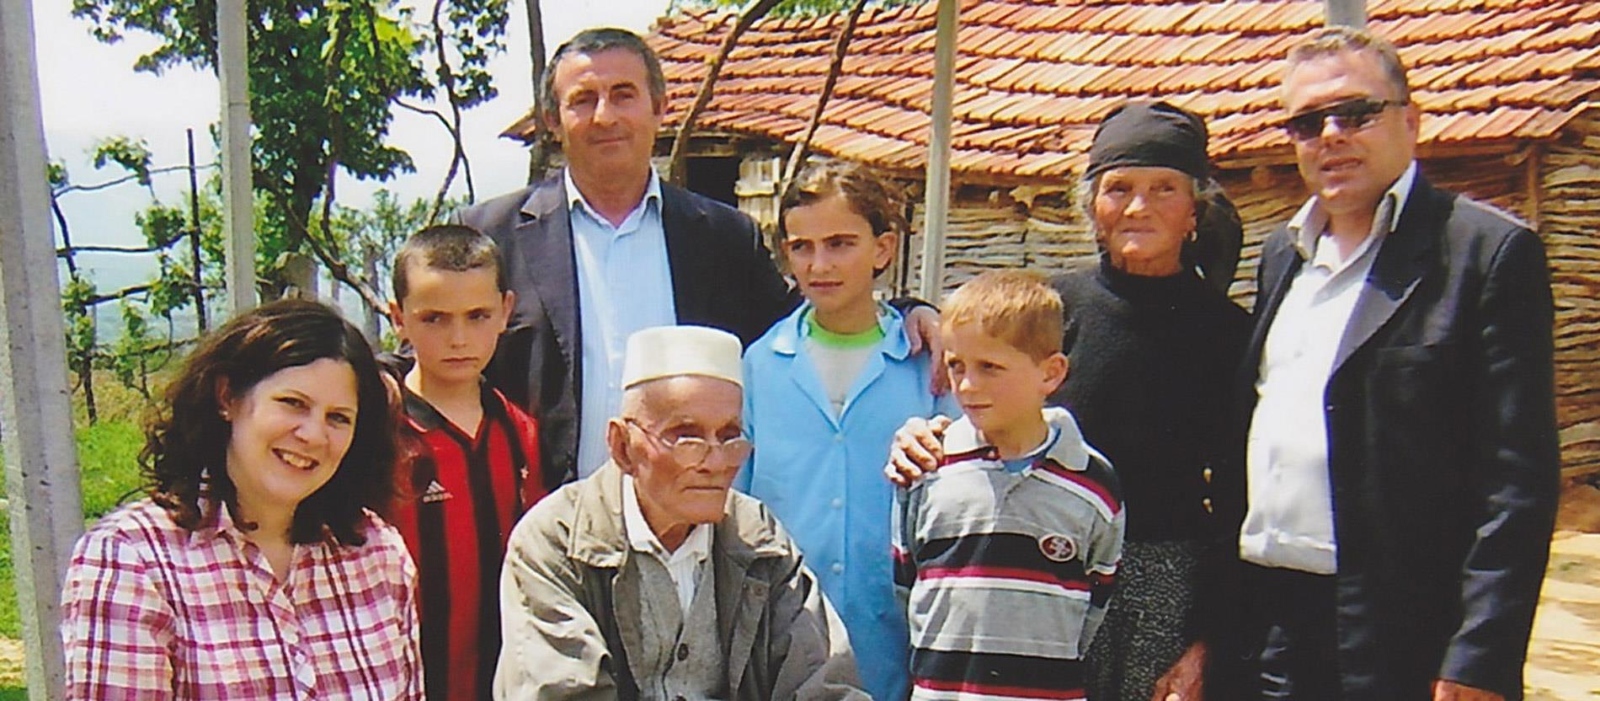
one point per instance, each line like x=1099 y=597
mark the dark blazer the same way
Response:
x=722 y=276
x=1442 y=448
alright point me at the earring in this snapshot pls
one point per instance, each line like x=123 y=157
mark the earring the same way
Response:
x=1194 y=235
x=224 y=414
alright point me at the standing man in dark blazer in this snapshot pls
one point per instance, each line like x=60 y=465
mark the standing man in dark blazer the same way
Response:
x=607 y=248
x=1402 y=462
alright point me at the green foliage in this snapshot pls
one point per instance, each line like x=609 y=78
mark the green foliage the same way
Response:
x=377 y=232
x=56 y=175
x=133 y=155
x=75 y=296
x=473 y=31
x=10 y=618
x=108 y=459
x=323 y=78
x=108 y=454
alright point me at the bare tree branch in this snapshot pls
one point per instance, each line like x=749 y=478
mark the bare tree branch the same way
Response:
x=68 y=251
x=835 y=67
x=447 y=80
x=130 y=177
x=538 y=152
x=123 y=293
x=680 y=142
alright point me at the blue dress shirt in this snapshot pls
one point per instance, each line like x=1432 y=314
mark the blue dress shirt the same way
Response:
x=624 y=285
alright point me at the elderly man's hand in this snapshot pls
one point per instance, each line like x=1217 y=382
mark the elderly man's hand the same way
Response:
x=922 y=329
x=916 y=449
x=1445 y=690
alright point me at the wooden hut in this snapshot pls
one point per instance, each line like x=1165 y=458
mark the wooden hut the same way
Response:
x=1509 y=90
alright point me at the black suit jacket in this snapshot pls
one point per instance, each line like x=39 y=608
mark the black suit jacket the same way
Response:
x=1443 y=452
x=722 y=276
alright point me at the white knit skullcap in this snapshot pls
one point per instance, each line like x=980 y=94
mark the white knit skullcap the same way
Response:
x=669 y=351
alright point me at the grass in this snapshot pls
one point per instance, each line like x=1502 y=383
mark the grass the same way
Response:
x=107 y=462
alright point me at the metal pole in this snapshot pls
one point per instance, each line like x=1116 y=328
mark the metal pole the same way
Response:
x=937 y=203
x=35 y=408
x=1349 y=13
x=194 y=239
x=238 y=203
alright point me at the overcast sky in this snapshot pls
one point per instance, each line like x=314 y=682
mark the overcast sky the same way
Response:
x=89 y=91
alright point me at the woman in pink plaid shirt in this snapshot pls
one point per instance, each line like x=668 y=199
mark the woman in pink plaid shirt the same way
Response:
x=256 y=568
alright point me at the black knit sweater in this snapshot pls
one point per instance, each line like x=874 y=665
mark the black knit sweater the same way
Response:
x=1150 y=380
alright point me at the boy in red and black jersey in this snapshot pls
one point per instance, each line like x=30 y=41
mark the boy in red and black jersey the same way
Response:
x=473 y=463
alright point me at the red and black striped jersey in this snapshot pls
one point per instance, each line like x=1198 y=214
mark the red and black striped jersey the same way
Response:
x=460 y=496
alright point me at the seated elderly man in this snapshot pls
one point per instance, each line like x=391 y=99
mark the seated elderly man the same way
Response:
x=650 y=579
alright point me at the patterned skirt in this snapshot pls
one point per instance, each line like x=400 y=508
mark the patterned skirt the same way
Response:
x=1142 y=635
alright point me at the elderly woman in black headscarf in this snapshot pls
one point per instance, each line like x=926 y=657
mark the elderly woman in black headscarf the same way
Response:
x=1149 y=380
x=1150 y=376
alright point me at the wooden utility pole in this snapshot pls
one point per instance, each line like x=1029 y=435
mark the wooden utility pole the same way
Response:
x=35 y=410
x=1349 y=13
x=936 y=208
x=238 y=199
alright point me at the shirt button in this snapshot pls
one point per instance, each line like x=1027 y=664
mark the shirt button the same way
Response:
x=1206 y=474
x=1206 y=502
x=837 y=503
x=838 y=438
x=838 y=568
x=683 y=652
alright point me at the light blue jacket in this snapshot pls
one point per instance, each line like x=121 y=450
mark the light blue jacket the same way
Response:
x=822 y=476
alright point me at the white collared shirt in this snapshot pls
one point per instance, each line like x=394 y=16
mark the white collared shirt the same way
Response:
x=683 y=564
x=624 y=285
x=1290 y=519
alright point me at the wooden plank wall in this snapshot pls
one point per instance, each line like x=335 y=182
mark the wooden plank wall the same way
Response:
x=1569 y=221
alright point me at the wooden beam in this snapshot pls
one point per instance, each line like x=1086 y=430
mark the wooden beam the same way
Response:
x=937 y=208
x=1349 y=13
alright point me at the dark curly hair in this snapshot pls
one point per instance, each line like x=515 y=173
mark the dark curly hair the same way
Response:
x=186 y=439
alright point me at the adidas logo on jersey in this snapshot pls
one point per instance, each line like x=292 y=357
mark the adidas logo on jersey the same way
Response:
x=436 y=493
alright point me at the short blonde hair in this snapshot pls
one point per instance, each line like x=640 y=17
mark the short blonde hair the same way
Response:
x=1015 y=306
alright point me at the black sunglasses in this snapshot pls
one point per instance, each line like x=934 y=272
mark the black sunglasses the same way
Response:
x=1350 y=115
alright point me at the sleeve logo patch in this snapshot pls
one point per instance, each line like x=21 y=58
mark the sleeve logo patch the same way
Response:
x=1057 y=547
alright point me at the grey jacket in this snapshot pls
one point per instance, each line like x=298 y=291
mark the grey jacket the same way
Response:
x=570 y=605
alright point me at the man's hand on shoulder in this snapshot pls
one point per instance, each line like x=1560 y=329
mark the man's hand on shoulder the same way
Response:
x=916 y=450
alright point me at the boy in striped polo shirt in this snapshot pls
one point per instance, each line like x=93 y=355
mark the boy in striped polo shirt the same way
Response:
x=471 y=465
x=1009 y=550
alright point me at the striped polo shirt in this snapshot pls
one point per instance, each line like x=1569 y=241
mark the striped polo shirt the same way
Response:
x=1008 y=572
x=461 y=496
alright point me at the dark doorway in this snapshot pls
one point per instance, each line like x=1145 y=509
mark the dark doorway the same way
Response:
x=715 y=178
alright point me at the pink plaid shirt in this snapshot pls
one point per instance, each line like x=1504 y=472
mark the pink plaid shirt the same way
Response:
x=151 y=610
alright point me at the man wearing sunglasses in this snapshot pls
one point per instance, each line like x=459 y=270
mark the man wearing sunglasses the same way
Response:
x=1401 y=467
x=650 y=579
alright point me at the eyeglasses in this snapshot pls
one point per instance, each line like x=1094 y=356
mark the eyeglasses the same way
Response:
x=1350 y=115
x=691 y=451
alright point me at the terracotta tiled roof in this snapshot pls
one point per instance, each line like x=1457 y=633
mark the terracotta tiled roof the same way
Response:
x=1034 y=76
